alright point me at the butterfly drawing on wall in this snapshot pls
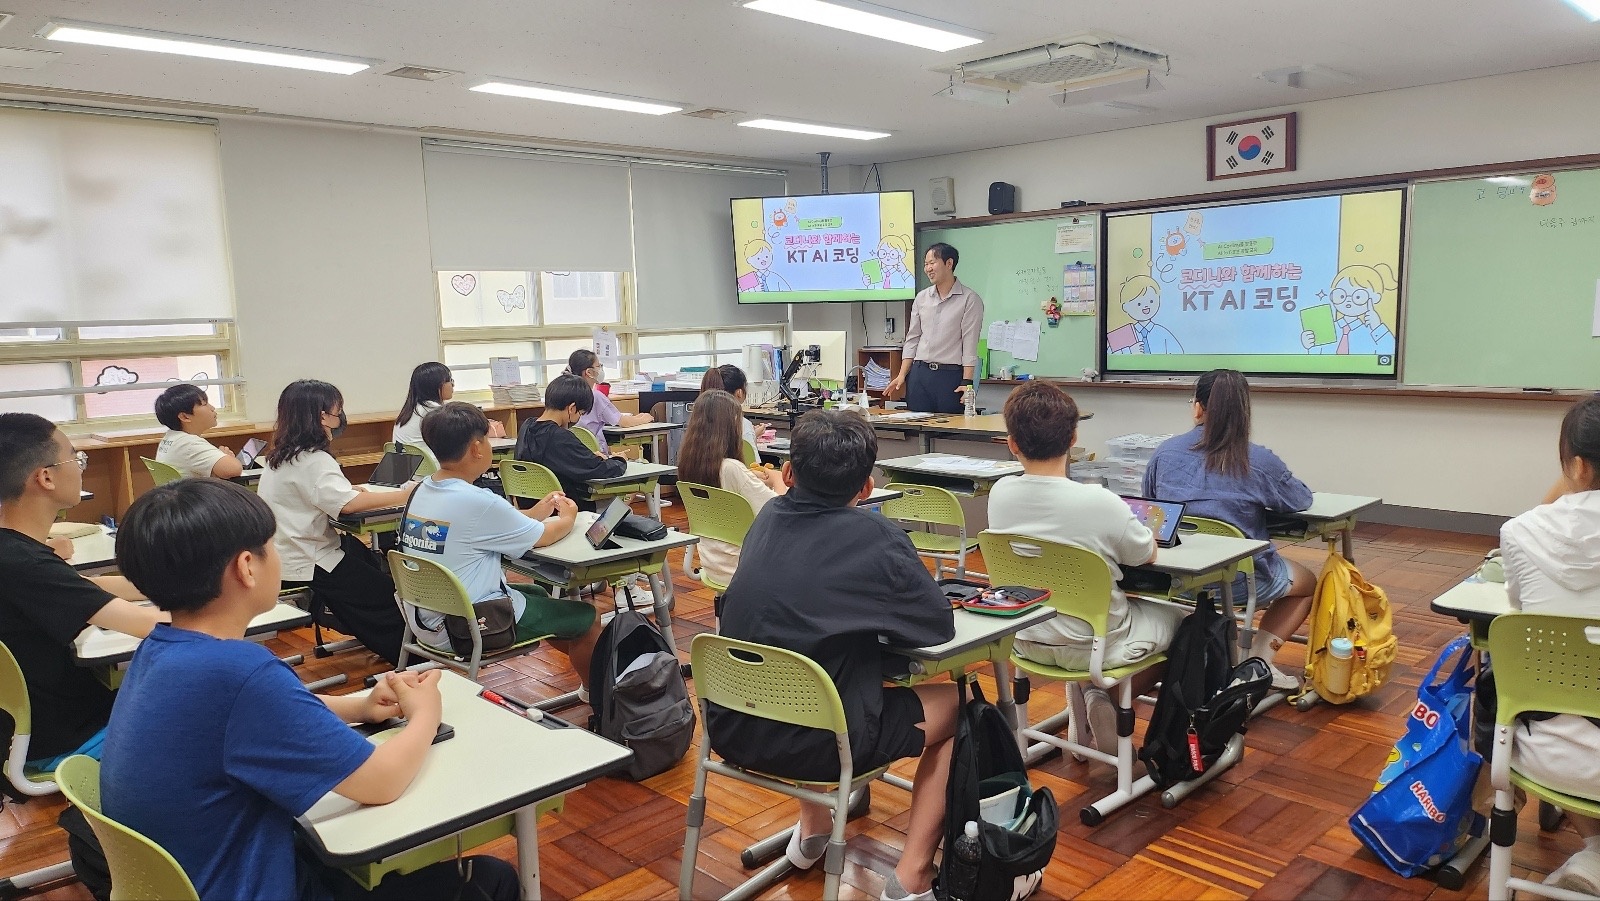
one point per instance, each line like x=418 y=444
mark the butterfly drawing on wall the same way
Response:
x=516 y=299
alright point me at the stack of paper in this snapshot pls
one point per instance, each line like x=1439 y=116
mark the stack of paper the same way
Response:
x=877 y=376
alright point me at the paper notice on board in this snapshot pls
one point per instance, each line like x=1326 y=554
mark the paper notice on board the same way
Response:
x=1595 y=331
x=605 y=347
x=1075 y=238
x=505 y=371
x=1025 y=340
x=998 y=336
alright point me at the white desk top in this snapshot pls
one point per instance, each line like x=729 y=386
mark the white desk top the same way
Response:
x=1474 y=599
x=574 y=549
x=502 y=444
x=954 y=466
x=1328 y=507
x=879 y=495
x=94 y=551
x=95 y=646
x=648 y=428
x=638 y=471
x=1198 y=554
x=249 y=476
x=85 y=495
x=497 y=763
x=974 y=630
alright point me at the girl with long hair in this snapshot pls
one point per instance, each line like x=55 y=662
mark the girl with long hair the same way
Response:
x=432 y=385
x=710 y=455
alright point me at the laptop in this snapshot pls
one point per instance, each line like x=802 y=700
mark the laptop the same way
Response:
x=605 y=524
x=1160 y=517
x=395 y=469
x=252 y=449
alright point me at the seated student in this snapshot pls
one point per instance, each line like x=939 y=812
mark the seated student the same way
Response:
x=826 y=580
x=215 y=746
x=431 y=385
x=585 y=365
x=44 y=602
x=549 y=441
x=1219 y=474
x=187 y=413
x=731 y=379
x=1550 y=555
x=471 y=528
x=1041 y=424
x=304 y=486
x=710 y=455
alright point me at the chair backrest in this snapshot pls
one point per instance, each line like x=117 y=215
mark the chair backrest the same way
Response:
x=748 y=451
x=162 y=473
x=587 y=437
x=519 y=478
x=14 y=701
x=1078 y=580
x=767 y=682
x=716 y=513
x=924 y=504
x=140 y=868
x=426 y=584
x=1545 y=662
x=430 y=464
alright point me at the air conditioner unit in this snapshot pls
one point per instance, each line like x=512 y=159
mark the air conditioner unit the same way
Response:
x=1105 y=87
x=943 y=193
x=1087 y=56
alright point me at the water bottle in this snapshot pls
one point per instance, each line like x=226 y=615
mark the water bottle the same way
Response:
x=969 y=399
x=1337 y=674
x=963 y=871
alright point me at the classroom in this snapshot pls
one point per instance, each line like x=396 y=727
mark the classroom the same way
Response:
x=322 y=319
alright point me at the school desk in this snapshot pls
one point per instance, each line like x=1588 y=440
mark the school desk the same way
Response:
x=969 y=476
x=486 y=782
x=651 y=434
x=370 y=522
x=85 y=495
x=639 y=478
x=1200 y=561
x=249 y=478
x=96 y=553
x=1473 y=601
x=1330 y=516
x=95 y=646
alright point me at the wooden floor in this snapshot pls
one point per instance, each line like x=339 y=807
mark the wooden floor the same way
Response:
x=1272 y=827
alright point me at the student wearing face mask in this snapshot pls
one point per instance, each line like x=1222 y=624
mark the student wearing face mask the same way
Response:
x=549 y=441
x=304 y=486
x=585 y=365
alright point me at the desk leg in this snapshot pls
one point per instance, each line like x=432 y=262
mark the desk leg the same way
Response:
x=525 y=823
x=1227 y=606
x=1346 y=534
x=663 y=606
x=1247 y=632
x=1004 y=698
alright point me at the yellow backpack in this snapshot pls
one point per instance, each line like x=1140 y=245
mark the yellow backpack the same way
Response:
x=1348 y=606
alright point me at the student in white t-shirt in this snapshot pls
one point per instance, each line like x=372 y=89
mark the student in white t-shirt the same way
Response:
x=304 y=486
x=431 y=385
x=731 y=379
x=187 y=413
x=1041 y=424
x=468 y=529
x=710 y=455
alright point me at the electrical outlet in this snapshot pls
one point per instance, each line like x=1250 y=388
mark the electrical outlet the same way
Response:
x=888 y=326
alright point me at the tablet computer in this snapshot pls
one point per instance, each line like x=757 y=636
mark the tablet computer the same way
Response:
x=1160 y=517
x=395 y=469
x=252 y=449
x=605 y=524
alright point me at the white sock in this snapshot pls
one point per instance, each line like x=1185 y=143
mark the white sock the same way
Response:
x=1592 y=843
x=1265 y=645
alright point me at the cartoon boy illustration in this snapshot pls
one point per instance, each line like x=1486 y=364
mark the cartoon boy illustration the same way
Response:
x=1140 y=297
x=1355 y=295
x=891 y=255
x=758 y=254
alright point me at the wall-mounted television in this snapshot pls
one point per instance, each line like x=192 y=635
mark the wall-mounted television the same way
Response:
x=825 y=248
x=1299 y=286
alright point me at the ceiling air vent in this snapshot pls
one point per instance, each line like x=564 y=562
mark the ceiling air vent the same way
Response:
x=1055 y=63
x=421 y=73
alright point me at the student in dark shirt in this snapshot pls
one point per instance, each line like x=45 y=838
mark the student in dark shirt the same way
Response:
x=44 y=602
x=549 y=441
x=822 y=578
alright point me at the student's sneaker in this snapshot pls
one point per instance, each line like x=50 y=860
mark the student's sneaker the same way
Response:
x=804 y=853
x=1102 y=717
x=1581 y=873
x=1282 y=681
x=894 y=891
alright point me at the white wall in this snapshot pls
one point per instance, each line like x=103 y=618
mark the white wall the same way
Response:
x=1475 y=456
x=328 y=232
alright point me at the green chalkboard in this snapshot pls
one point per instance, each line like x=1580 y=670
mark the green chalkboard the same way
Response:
x=1501 y=290
x=1014 y=267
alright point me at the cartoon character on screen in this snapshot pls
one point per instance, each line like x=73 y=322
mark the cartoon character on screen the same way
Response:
x=889 y=269
x=758 y=254
x=1140 y=297
x=1357 y=326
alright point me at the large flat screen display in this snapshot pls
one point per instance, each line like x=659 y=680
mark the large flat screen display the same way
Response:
x=825 y=248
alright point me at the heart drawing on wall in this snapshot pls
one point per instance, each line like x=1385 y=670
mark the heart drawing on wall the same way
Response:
x=465 y=283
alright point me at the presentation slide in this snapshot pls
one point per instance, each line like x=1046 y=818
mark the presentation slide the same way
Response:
x=1308 y=286
x=822 y=248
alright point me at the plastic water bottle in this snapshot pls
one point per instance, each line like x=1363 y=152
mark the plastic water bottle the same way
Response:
x=1337 y=674
x=963 y=885
x=969 y=399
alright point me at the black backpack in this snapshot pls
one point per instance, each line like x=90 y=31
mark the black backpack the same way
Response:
x=986 y=761
x=648 y=710
x=1204 y=700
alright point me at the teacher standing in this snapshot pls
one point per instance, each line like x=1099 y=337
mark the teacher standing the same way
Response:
x=941 y=349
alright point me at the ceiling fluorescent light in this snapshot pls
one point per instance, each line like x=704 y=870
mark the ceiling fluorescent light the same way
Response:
x=808 y=129
x=1589 y=8
x=977 y=93
x=206 y=48
x=577 y=98
x=1308 y=77
x=873 y=21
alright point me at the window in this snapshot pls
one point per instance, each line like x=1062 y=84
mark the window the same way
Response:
x=538 y=317
x=729 y=342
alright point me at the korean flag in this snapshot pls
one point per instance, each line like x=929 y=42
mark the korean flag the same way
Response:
x=1254 y=147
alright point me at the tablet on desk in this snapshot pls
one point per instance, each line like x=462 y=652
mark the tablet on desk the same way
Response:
x=252 y=449
x=1160 y=517
x=599 y=533
x=395 y=469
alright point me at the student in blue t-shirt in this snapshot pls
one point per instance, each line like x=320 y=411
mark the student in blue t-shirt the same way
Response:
x=215 y=746
x=467 y=529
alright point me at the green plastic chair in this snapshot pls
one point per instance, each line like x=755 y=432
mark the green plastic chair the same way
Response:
x=748 y=452
x=162 y=473
x=773 y=684
x=141 y=870
x=529 y=481
x=429 y=464
x=926 y=505
x=27 y=781
x=587 y=437
x=1079 y=582
x=717 y=514
x=430 y=586
x=1541 y=663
